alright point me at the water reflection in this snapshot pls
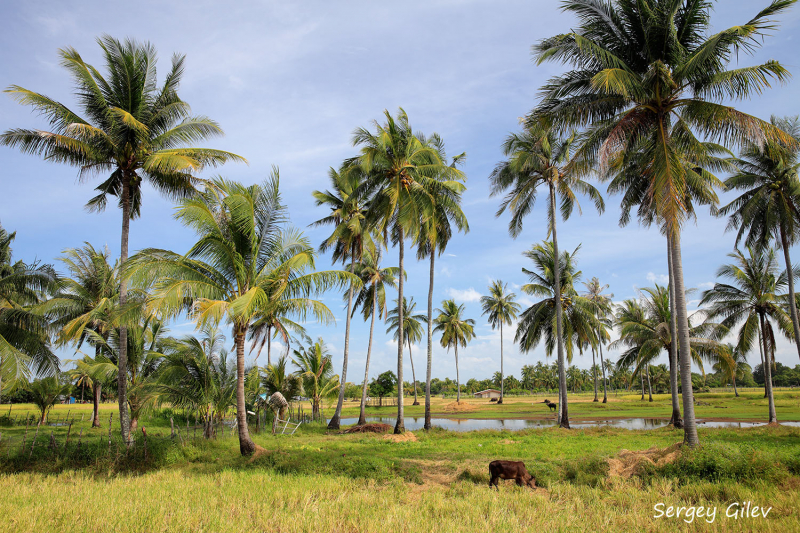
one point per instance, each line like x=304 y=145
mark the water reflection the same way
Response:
x=512 y=424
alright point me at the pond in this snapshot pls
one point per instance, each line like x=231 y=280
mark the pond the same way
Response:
x=515 y=424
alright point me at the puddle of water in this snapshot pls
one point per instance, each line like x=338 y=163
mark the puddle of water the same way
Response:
x=466 y=424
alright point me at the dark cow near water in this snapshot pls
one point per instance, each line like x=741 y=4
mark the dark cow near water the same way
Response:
x=553 y=406
x=510 y=470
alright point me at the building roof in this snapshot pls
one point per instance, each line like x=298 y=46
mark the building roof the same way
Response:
x=487 y=390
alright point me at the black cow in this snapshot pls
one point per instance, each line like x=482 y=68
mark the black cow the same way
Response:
x=510 y=470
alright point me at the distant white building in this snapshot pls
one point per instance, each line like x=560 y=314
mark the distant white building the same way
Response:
x=488 y=393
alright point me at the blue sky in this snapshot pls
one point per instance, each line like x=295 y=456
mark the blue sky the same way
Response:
x=290 y=81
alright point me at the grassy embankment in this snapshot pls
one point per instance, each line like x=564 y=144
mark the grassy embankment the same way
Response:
x=315 y=481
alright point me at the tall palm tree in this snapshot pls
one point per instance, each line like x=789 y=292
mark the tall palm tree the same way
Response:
x=539 y=156
x=350 y=237
x=753 y=299
x=412 y=331
x=87 y=301
x=401 y=166
x=436 y=232
x=245 y=255
x=769 y=207
x=455 y=331
x=541 y=320
x=24 y=331
x=641 y=70
x=502 y=309
x=371 y=298
x=602 y=310
x=316 y=370
x=132 y=131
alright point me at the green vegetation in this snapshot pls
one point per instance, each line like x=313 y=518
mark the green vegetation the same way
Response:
x=351 y=477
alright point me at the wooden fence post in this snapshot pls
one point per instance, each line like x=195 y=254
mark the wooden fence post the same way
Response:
x=110 y=418
x=80 y=439
x=171 y=428
x=144 y=433
x=68 y=432
x=34 y=439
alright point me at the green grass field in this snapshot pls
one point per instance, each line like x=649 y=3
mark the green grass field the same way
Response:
x=320 y=481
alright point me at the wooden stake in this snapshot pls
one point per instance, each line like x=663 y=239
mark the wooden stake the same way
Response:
x=34 y=439
x=171 y=428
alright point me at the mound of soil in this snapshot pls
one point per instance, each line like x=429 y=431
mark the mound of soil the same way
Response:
x=403 y=437
x=370 y=428
x=628 y=463
x=455 y=407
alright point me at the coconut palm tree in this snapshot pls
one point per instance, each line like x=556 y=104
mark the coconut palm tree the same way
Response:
x=753 y=299
x=145 y=353
x=502 y=309
x=602 y=310
x=402 y=167
x=436 y=232
x=540 y=320
x=642 y=70
x=350 y=237
x=24 y=331
x=87 y=301
x=245 y=255
x=45 y=393
x=539 y=156
x=195 y=374
x=316 y=370
x=769 y=207
x=645 y=332
x=371 y=298
x=131 y=131
x=455 y=331
x=412 y=331
x=732 y=364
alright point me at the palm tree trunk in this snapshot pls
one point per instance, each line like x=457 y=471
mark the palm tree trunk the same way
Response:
x=246 y=445
x=689 y=424
x=790 y=276
x=413 y=374
x=735 y=391
x=563 y=416
x=458 y=381
x=603 y=368
x=269 y=346
x=594 y=374
x=641 y=380
x=362 y=418
x=773 y=417
x=97 y=391
x=400 y=425
x=334 y=423
x=761 y=353
x=649 y=385
x=122 y=356
x=430 y=345
x=502 y=380
x=675 y=419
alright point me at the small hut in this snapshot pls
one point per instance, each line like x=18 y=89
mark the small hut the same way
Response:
x=488 y=393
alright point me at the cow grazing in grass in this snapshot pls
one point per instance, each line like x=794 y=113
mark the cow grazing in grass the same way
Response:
x=551 y=405
x=510 y=470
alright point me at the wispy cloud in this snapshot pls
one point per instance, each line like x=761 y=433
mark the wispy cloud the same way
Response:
x=468 y=295
x=662 y=279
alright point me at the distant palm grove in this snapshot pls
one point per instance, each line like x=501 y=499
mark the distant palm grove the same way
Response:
x=644 y=109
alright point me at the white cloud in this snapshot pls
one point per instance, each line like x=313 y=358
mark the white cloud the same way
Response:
x=468 y=295
x=451 y=255
x=706 y=285
x=445 y=271
x=662 y=279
